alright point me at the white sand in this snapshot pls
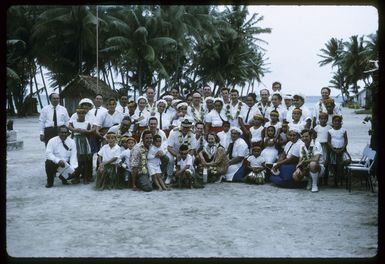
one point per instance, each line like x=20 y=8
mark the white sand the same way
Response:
x=221 y=220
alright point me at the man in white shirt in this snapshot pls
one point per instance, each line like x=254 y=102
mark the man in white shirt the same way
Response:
x=237 y=151
x=122 y=105
x=264 y=103
x=98 y=110
x=234 y=109
x=61 y=156
x=51 y=117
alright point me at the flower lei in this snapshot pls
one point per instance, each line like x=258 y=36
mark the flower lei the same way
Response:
x=151 y=109
x=180 y=138
x=229 y=116
x=143 y=158
x=201 y=112
x=309 y=154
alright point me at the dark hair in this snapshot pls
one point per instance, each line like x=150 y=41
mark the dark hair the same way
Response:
x=225 y=89
x=269 y=127
x=225 y=123
x=152 y=118
x=306 y=131
x=252 y=95
x=327 y=88
x=213 y=134
x=145 y=132
x=183 y=147
x=199 y=123
x=157 y=137
x=50 y=96
x=278 y=95
x=175 y=88
x=63 y=126
x=99 y=95
x=112 y=99
x=274 y=83
x=234 y=91
x=132 y=102
x=126 y=118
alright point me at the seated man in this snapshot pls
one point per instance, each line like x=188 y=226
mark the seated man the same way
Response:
x=237 y=151
x=61 y=156
x=310 y=161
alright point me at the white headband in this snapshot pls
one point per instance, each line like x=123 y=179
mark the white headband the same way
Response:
x=236 y=129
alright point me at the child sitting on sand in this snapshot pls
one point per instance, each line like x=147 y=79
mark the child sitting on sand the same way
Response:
x=184 y=169
x=256 y=163
x=108 y=156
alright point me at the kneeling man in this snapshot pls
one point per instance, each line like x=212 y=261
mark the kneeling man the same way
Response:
x=61 y=156
x=310 y=161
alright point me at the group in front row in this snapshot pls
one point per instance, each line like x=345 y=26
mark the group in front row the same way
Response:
x=187 y=142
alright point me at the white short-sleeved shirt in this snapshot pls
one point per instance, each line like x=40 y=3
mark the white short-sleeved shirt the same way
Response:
x=107 y=153
x=125 y=155
x=315 y=148
x=256 y=162
x=299 y=126
x=108 y=120
x=240 y=148
x=139 y=114
x=270 y=154
x=214 y=118
x=322 y=133
x=337 y=137
x=253 y=111
x=306 y=114
x=46 y=117
x=124 y=110
x=173 y=139
x=256 y=133
x=88 y=117
x=151 y=159
x=224 y=139
x=277 y=126
x=83 y=125
x=293 y=149
x=280 y=109
x=186 y=162
x=100 y=111
x=233 y=110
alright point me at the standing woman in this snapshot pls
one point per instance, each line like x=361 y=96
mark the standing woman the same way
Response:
x=164 y=120
x=141 y=117
x=214 y=119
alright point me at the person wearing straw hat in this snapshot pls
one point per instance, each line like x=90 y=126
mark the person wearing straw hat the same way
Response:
x=321 y=105
x=237 y=152
x=61 y=156
x=284 y=168
x=177 y=137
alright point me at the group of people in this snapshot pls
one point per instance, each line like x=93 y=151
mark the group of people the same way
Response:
x=187 y=142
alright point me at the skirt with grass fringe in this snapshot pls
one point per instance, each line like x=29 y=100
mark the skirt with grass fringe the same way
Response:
x=109 y=178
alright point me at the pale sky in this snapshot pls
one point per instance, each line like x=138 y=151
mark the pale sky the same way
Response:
x=298 y=34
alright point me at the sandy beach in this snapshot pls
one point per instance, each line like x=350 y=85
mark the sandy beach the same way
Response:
x=221 y=220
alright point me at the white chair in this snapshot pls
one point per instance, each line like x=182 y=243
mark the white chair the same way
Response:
x=365 y=170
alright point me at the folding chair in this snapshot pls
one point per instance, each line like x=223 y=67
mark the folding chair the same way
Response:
x=366 y=170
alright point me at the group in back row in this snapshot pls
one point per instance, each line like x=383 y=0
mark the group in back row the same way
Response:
x=187 y=142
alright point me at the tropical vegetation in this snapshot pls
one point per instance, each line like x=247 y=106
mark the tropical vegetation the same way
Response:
x=131 y=47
